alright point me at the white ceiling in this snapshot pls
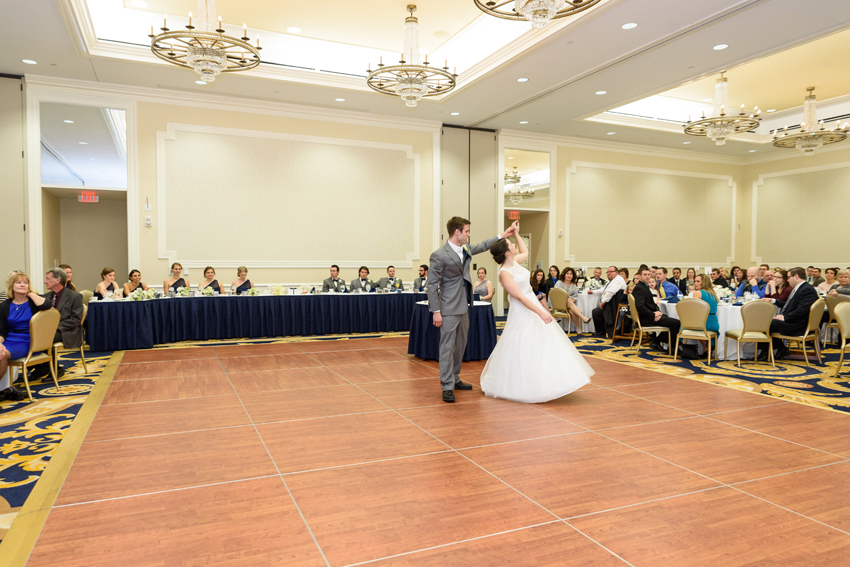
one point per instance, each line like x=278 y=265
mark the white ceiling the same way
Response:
x=671 y=47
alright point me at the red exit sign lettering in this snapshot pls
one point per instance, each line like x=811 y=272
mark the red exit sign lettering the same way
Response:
x=88 y=197
x=513 y=215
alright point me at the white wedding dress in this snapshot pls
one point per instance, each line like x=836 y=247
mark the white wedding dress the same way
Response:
x=533 y=362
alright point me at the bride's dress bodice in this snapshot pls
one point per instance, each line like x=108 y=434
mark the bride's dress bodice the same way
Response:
x=522 y=278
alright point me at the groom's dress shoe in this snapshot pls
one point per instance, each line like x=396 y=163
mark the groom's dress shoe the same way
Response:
x=462 y=386
x=448 y=396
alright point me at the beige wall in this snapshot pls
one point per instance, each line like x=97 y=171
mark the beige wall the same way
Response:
x=51 y=230
x=12 y=188
x=94 y=236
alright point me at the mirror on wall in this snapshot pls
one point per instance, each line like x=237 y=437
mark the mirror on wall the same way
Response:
x=526 y=180
x=83 y=146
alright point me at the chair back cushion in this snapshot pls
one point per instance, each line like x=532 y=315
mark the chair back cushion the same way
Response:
x=815 y=315
x=842 y=315
x=87 y=295
x=43 y=327
x=633 y=310
x=757 y=316
x=693 y=313
x=559 y=298
x=833 y=301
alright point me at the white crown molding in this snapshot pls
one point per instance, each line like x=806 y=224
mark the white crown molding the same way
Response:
x=576 y=164
x=172 y=255
x=759 y=182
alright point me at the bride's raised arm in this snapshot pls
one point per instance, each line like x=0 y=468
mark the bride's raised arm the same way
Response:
x=522 y=249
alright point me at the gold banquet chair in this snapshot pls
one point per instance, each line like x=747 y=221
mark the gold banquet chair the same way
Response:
x=640 y=329
x=757 y=316
x=60 y=347
x=811 y=334
x=43 y=327
x=842 y=316
x=87 y=295
x=693 y=314
x=831 y=303
x=559 y=298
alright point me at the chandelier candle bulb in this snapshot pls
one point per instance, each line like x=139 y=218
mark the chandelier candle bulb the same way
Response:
x=244 y=30
x=190 y=21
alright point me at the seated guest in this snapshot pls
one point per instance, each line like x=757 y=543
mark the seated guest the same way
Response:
x=422 y=280
x=107 y=287
x=3 y=291
x=597 y=275
x=718 y=280
x=690 y=278
x=134 y=283
x=816 y=279
x=653 y=272
x=677 y=281
x=777 y=286
x=843 y=285
x=751 y=284
x=554 y=273
x=241 y=284
x=763 y=269
x=538 y=284
x=69 y=271
x=175 y=281
x=793 y=316
x=334 y=283
x=831 y=274
x=566 y=282
x=724 y=274
x=390 y=282
x=648 y=311
x=70 y=306
x=653 y=287
x=362 y=283
x=737 y=277
x=15 y=313
x=666 y=288
x=704 y=289
x=210 y=281
x=483 y=287
x=616 y=282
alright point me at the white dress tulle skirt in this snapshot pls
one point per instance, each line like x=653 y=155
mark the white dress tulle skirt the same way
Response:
x=533 y=362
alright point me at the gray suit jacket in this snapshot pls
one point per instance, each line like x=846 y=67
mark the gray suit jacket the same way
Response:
x=385 y=283
x=355 y=285
x=70 y=317
x=328 y=285
x=449 y=284
x=417 y=283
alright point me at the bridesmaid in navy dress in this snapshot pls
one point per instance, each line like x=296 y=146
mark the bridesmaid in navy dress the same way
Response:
x=134 y=283
x=15 y=314
x=107 y=287
x=210 y=281
x=176 y=280
x=242 y=283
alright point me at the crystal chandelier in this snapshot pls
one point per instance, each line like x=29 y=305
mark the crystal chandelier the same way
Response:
x=722 y=126
x=205 y=49
x=411 y=79
x=538 y=12
x=513 y=192
x=514 y=177
x=812 y=135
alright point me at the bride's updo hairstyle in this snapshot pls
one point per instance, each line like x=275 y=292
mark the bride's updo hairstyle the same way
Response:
x=498 y=250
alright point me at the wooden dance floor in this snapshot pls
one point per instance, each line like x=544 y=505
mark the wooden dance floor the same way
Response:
x=342 y=453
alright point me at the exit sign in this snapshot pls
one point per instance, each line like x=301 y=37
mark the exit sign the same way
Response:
x=88 y=197
x=513 y=215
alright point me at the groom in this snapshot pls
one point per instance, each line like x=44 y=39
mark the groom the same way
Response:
x=449 y=297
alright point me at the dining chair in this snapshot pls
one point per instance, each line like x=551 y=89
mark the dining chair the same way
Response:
x=831 y=303
x=757 y=316
x=693 y=315
x=842 y=316
x=60 y=347
x=559 y=298
x=43 y=327
x=811 y=334
x=640 y=330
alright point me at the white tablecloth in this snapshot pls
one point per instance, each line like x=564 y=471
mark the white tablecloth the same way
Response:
x=728 y=317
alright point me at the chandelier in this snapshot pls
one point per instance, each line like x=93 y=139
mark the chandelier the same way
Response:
x=812 y=135
x=411 y=79
x=722 y=126
x=205 y=49
x=514 y=177
x=513 y=192
x=538 y=12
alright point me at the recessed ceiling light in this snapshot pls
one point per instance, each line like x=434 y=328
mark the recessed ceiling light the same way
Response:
x=139 y=3
x=29 y=62
x=707 y=99
x=339 y=99
x=522 y=80
x=94 y=159
x=455 y=113
x=293 y=29
x=629 y=26
x=601 y=92
x=510 y=157
x=751 y=151
x=772 y=110
x=720 y=47
x=68 y=121
x=524 y=122
x=686 y=143
x=84 y=143
x=611 y=133
x=200 y=82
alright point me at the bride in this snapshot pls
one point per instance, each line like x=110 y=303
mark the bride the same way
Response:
x=534 y=361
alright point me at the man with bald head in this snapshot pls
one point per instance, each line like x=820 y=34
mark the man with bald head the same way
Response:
x=751 y=284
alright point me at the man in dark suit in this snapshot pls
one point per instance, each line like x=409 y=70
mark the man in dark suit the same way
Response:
x=648 y=311
x=793 y=316
x=717 y=279
x=677 y=281
x=69 y=303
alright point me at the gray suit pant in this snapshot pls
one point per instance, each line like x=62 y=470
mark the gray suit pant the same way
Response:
x=453 y=335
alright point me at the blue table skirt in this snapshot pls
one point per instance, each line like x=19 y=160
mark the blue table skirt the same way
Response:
x=425 y=337
x=126 y=325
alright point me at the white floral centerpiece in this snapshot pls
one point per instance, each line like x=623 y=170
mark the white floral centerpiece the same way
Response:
x=253 y=291
x=142 y=294
x=278 y=290
x=207 y=291
x=723 y=292
x=183 y=292
x=592 y=284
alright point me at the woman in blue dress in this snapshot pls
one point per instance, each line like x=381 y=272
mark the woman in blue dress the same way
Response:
x=210 y=281
x=15 y=313
x=704 y=289
x=241 y=284
x=175 y=281
x=107 y=287
x=134 y=283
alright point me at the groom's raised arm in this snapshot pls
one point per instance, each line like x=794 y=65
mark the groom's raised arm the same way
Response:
x=435 y=274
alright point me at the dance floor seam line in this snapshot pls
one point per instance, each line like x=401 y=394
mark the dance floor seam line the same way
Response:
x=742 y=482
x=599 y=544
x=357 y=464
x=167 y=433
x=167 y=400
x=789 y=510
x=644 y=502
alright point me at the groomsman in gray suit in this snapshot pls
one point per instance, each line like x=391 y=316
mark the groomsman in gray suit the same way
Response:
x=390 y=282
x=363 y=283
x=333 y=283
x=422 y=280
x=449 y=297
